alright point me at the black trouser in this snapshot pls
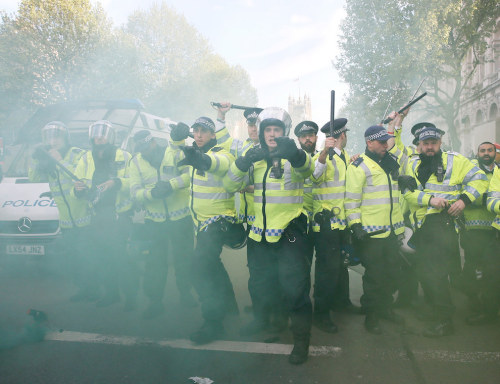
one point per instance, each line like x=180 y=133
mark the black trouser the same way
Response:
x=180 y=235
x=475 y=243
x=329 y=263
x=282 y=270
x=75 y=256
x=482 y=267
x=437 y=247
x=380 y=258
x=209 y=275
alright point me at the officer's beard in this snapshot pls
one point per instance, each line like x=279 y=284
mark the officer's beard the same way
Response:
x=103 y=151
x=486 y=160
x=308 y=147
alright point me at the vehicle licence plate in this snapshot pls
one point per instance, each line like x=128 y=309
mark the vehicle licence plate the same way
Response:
x=25 y=250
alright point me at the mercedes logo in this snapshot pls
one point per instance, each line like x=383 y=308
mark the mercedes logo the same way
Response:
x=24 y=224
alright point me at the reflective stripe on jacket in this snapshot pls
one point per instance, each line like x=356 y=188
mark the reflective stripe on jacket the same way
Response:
x=372 y=198
x=461 y=177
x=277 y=201
x=493 y=201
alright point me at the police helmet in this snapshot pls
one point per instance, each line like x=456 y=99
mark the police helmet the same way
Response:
x=54 y=130
x=273 y=116
x=104 y=129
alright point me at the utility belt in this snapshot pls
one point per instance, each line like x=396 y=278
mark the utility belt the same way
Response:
x=296 y=228
x=234 y=234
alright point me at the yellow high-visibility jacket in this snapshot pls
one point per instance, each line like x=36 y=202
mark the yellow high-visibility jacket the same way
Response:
x=476 y=214
x=209 y=201
x=72 y=211
x=329 y=190
x=372 y=198
x=493 y=201
x=277 y=201
x=461 y=177
x=143 y=178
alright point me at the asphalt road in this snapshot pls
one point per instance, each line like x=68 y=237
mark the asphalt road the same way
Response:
x=86 y=344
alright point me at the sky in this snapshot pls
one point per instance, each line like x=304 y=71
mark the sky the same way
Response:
x=287 y=47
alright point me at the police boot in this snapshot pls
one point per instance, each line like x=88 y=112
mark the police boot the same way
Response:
x=439 y=329
x=300 y=351
x=154 y=309
x=372 y=324
x=209 y=331
x=325 y=323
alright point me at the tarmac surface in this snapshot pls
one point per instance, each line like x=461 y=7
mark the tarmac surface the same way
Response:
x=85 y=344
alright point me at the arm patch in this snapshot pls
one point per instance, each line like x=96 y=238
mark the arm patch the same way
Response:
x=357 y=162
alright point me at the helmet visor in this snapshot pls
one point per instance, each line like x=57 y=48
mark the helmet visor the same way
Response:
x=52 y=132
x=102 y=130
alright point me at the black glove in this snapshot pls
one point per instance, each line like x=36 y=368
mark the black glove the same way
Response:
x=358 y=232
x=180 y=131
x=287 y=149
x=161 y=190
x=407 y=182
x=46 y=163
x=253 y=155
x=195 y=158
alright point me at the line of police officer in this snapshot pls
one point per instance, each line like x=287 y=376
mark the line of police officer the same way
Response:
x=292 y=200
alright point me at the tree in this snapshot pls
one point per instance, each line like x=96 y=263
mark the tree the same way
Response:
x=387 y=47
x=180 y=69
x=44 y=48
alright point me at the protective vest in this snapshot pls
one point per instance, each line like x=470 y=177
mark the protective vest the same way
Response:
x=329 y=191
x=143 y=178
x=72 y=211
x=493 y=201
x=277 y=201
x=476 y=214
x=460 y=176
x=85 y=171
x=209 y=201
x=372 y=198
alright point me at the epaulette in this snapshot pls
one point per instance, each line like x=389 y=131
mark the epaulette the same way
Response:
x=216 y=149
x=77 y=150
x=357 y=162
x=394 y=157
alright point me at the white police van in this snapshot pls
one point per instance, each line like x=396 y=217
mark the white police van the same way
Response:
x=29 y=222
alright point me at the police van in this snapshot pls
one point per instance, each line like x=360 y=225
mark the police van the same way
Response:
x=29 y=222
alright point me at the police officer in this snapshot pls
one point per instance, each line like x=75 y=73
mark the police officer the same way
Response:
x=478 y=230
x=447 y=182
x=213 y=212
x=372 y=206
x=279 y=233
x=74 y=214
x=103 y=172
x=162 y=190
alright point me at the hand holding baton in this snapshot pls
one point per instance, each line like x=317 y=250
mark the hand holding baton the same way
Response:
x=405 y=107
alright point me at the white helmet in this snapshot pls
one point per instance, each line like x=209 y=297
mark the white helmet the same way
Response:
x=53 y=130
x=274 y=116
x=102 y=128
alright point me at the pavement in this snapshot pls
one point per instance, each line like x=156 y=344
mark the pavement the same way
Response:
x=85 y=344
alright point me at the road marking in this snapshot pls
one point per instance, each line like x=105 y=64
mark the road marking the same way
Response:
x=221 y=345
x=271 y=348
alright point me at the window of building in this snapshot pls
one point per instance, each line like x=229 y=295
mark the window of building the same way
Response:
x=493 y=111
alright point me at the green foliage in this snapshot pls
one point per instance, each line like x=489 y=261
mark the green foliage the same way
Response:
x=389 y=46
x=60 y=50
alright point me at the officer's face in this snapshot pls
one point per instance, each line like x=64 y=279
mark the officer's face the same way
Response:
x=253 y=133
x=377 y=147
x=308 y=141
x=430 y=146
x=270 y=132
x=486 y=154
x=100 y=140
x=202 y=135
x=343 y=140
